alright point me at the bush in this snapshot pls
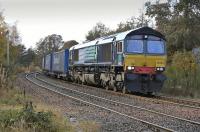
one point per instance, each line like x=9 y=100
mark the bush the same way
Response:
x=8 y=118
x=183 y=76
x=27 y=119
x=37 y=120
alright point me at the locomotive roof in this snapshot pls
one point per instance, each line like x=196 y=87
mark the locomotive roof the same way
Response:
x=119 y=36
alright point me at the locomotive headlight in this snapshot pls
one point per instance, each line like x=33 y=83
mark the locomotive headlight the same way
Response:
x=161 y=69
x=129 y=67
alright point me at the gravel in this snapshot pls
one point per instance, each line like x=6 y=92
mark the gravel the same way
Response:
x=154 y=118
x=79 y=111
x=152 y=104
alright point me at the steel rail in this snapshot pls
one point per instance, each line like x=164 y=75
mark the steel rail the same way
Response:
x=171 y=100
x=154 y=99
x=183 y=101
x=152 y=125
x=149 y=99
x=129 y=105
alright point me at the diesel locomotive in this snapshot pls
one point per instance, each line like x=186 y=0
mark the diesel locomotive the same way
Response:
x=131 y=61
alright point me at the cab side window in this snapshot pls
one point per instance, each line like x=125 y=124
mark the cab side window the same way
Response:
x=76 y=54
x=119 y=47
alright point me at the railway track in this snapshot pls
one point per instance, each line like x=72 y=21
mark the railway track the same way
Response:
x=170 y=100
x=159 y=98
x=126 y=104
x=127 y=110
x=184 y=102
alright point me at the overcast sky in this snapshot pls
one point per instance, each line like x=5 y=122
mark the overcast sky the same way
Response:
x=70 y=18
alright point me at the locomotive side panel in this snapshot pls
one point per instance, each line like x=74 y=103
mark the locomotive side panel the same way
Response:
x=87 y=55
x=105 y=53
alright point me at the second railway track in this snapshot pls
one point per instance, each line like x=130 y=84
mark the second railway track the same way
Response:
x=158 y=120
x=184 y=102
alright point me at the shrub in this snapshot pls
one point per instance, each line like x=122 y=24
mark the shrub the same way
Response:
x=183 y=75
x=27 y=119
x=8 y=118
x=37 y=120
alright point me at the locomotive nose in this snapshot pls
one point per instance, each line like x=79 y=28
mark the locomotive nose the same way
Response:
x=145 y=61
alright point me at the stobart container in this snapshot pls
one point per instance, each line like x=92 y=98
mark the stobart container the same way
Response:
x=48 y=62
x=60 y=62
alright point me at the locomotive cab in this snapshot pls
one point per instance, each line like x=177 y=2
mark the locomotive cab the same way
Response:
x=144 y=62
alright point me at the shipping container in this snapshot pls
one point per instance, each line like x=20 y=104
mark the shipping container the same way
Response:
x=48 y=62
x=43 y=62
x=60 y=61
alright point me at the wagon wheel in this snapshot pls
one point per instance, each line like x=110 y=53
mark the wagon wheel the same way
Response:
x=124 y=90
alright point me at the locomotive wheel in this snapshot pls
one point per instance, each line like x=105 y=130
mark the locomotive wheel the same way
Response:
x=115 y=89
x=79 y=81
x=150 y=94
x=107 y=87
x=84 y=83
x=124 y=90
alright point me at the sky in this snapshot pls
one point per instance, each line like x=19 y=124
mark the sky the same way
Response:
x=71 y=19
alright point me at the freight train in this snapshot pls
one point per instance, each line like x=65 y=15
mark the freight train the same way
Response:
x=131 y=61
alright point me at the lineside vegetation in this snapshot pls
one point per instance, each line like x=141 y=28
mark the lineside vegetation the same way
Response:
x=183 y=75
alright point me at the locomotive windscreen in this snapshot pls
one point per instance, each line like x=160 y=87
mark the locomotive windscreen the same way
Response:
x=155 y=47
x=145 y=44
x=135 y=46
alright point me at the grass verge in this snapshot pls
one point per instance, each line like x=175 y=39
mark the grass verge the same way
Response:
x=18 y=113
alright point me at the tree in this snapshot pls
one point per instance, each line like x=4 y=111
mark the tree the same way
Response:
x=54 y=42
x=132 y=23
x=160 y=11
x=3 y=40
x=49 y=44
x=128 y=25
x=142 y=21
x=179 y=22
x=97 y=31
x=101 y=30
x=69 y=44
x=27 y=57
x=9 y=35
